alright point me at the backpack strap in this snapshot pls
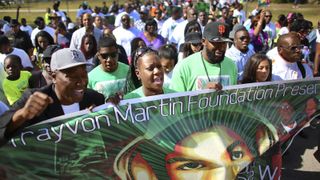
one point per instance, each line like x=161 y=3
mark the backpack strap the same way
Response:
x=301 y=68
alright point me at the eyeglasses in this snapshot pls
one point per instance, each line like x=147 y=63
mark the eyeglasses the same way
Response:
x=107 y=55
x=140 y=52
x=293 y=48
x=268 y=16
x=242 y=38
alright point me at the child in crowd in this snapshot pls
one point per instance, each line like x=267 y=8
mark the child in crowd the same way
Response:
x=168 y=58
x=89 y=49
x=17 y=80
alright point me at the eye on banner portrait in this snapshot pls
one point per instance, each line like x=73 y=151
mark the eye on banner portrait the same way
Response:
x=237 y=133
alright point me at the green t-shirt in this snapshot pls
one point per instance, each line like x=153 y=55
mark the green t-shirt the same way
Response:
x=139 y=93
x=13 y=89
x=202 y=6
x=108 y=83
x=190 y=74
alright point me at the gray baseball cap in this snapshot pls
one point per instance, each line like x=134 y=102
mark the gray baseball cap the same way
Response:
x=67 y=58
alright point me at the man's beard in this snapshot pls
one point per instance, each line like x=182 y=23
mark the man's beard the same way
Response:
x=212 y=58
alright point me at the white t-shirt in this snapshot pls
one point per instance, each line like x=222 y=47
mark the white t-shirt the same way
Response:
x=273 y=53
x=6 y=28
x=271 y=30
x=25 y=59
x=283 y=70
x=125 y=36
x=241 y=15
x=168 y=27
x=160 y=24
x=67 y=109
x=27 y=29
x=283 y=30
x=78 y=34
x=318 y=36
x=178 y=33
x=61 y=14
x=36 y=30
x=3 y=75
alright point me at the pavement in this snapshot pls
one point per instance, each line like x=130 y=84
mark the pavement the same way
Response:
x=299 y=161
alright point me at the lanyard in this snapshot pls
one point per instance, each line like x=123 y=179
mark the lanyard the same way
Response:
x=205 y=69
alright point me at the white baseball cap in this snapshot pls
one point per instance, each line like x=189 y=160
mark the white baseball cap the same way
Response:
x=67 y=58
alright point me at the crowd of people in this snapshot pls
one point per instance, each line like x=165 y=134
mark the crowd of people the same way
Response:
x=140 y=49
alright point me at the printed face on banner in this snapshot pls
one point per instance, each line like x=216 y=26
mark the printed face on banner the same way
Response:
x=218 y=153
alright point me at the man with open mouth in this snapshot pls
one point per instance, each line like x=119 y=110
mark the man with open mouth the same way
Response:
x=67 y=94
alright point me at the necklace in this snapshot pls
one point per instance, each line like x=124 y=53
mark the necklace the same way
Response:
x=205 y=69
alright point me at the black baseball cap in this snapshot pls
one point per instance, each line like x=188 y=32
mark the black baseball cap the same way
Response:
x=193 y=37
x=47 y=53
x=216 y=32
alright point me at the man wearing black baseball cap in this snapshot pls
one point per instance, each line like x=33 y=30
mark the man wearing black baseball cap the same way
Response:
x=67 y=94
x=208 y=69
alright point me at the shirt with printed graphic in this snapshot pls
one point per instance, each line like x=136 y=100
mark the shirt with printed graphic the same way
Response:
x=108 y=83
x=194 y=72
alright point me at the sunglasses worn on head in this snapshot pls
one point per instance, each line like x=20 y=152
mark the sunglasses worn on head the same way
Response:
x=107 y=55
x=140 y=52
x=293 y=48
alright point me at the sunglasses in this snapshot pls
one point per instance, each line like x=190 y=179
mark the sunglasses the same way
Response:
x=140 y=52
x=242 y=38
x=107 y=55
x=269 y=16
x=293 y=48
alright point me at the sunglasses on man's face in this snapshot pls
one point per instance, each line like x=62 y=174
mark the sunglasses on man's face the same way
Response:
x=107 y=55
x=242 y=38
x=268 y=16
x=293 y=48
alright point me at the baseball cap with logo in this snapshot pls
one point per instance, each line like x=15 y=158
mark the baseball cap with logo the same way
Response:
x=67 y=58
x=216 y=32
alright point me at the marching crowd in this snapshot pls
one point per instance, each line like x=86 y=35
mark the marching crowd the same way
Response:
x=139 y=49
